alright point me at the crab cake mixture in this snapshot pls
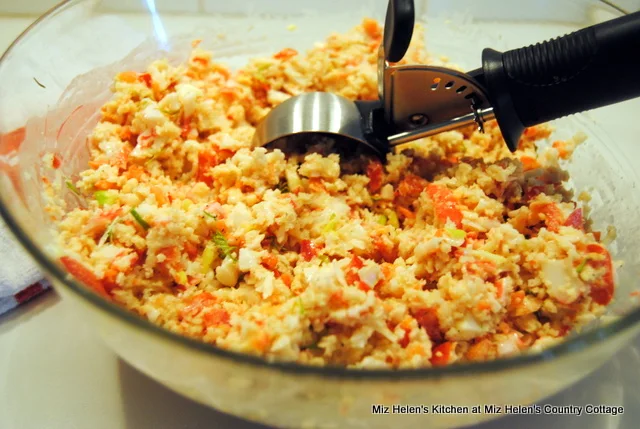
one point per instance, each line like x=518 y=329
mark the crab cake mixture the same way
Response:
x=452 y=249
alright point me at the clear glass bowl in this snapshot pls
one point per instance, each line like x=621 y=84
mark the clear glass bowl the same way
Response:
x=103 y=37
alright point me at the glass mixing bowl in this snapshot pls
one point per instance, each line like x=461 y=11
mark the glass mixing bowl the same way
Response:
x=38 y=113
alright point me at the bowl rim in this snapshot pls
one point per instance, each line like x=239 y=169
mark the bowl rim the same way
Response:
x=564 y=348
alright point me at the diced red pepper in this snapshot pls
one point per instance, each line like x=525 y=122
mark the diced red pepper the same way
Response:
x=285 y=54
x=441 y=354
x=575 y=220
x=206 y=160
x=564 y=330
x=499 y=288
x=446 y=206
x=197 y=303
x=57 y=161
x=230 y=93
x=84 y=275
x=286 y=279
x=375 y=173
x=260 y=91
x=316 y=185
x=481 y=350
x=372 y=28
x=353 y=277
x=411 y=186
x=529 y=163
x=109 y=280
x=554 y=217
x=200 y=60
x=215 y=317
x=191 y=250
x=135 y=172
x=172 y=256
x=427 y=318
x=171 y=252
x=530 y=132
x=121 y=159
x=560 y=146
x=356 y=263
x=337 y=299
x=126 y=135
x=602 y=288
x=270 y=261
x=219 y=68
x=103 y=185
x=146 y=79
x=145 y=140
x=404 y=341
x=387 y=252
x=308 y=250
x=127 y=76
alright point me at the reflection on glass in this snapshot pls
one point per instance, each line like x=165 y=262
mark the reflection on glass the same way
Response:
x=158 y=27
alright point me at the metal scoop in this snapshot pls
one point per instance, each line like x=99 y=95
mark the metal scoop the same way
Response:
x=589 y=68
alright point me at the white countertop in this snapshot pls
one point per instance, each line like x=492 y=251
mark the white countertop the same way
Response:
x=56 y=374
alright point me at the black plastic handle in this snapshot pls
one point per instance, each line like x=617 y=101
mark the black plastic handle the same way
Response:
x=590 y=68
x=398 y=29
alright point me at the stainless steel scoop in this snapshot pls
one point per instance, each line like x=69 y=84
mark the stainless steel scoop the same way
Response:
x=590 y=68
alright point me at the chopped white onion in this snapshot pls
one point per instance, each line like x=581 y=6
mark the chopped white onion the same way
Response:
x=370 y=275
x=247 y=259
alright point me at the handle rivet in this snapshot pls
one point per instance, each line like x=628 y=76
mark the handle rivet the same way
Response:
x=418 y=119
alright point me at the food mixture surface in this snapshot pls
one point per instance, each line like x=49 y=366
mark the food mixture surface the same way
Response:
x=452 y=250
